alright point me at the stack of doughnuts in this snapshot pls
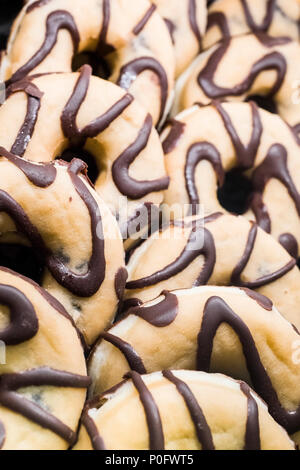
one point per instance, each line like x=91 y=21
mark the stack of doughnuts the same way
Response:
x=159 y=317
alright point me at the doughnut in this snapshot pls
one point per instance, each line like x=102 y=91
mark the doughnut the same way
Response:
x=269 y=69
x=165 y=334
x=220 y=249
x=130 y=35
x=228 y=18
x=43 y=116
x=202 y=144
x=186 y=20
x=54 y=209
x=180 y=410
x=45 y=369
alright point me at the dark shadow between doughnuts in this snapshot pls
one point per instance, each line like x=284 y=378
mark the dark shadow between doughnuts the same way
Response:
x=235 y=193
x=23 y=260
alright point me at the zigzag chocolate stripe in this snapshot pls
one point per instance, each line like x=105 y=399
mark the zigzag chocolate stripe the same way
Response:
x=9 y=398
x=56 y=21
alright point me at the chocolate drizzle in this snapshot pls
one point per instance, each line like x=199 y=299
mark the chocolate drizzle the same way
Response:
x=120 y=170
x=218 y=19
x=172 y=139
x=197 y=153
x=23 y=319
x=98 y=125
x=41 y=175
x=9 y=398
x=156 y=435
x=56 y=21
x=202 y=428
x=272 y=61
x=37 y=4
x=120 y=282
x=93 y=433
x=83 y=285
x=289 y=242
x=262 y=281
x=102 y=45
x=160 y=315
x=142 y=23
x=245 y=154
x=134 y=361
x=266 y=23
x=34 y=96
x=130 y=71
x=252 y=439
x=261 y=213
x=196 y=246
x=217 y=312
x=193 y=21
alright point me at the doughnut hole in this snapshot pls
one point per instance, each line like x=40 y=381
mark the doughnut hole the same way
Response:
x=78 y=152
x=264 y=102
x=100 y=65
x=235 y=193
x=23 y=260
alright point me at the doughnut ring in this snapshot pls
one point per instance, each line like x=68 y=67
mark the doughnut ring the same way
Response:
x=45 y=369
x=202 y=144
x=180 y=410
x=186 y=20
x=269 y=69
x=218 y=250
x=43 y=116
x=132 y=36
x=165 y=334
x=54 y=209
x=228 y=18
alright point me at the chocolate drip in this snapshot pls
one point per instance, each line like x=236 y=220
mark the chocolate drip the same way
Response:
x=275 y=166
x=197 y=153
x=34 y=96
x=266 y=23
x=219 y=19
x=216 y=312
x=87 y=284
x=120 y=170
x=98 y=125
x=171 y=27
x=160 y=315
x=252 y=439
x=120 y=282
x=193 y=21
x=142 y=23
x=41 y=175
x=262 y=300
x=172 y=139
x=202 y=428
x=56 y=21
x=130 y=71
x=2 y=435
x=102 y=45
x=134 y=360
x=261 y=213
x=156 y=435
x=191 y=251
x=37 y=4
x=273 y=61
x=24 y=323
x=289 y=242
x=245 y=153
x=262 y=281
x=9 y=398
x=84 y=285
x=93 y=433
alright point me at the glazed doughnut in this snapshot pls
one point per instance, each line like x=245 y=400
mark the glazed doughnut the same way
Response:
x=228 y=18
x=45 y=369
x=165 y=334
x=44 y=116
x=202 y=144
x=218 y=250
x=131 y=36
x=270 y=68
x=186 y=20
x=180 y=410
x=54 y=209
